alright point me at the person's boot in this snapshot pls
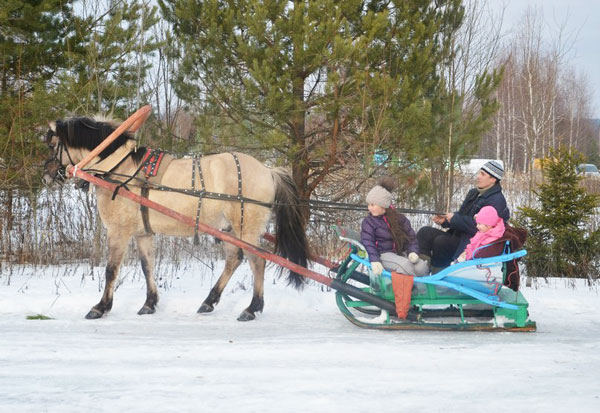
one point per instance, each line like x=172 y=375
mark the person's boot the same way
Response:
x=413 y=315
x=402 y=285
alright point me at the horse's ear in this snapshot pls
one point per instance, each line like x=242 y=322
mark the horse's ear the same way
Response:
x=52 y=125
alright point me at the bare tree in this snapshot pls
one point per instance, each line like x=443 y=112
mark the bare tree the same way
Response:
x=543 y=100
x=475 y=52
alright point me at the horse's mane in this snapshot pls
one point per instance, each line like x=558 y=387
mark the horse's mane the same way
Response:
x=87 y=133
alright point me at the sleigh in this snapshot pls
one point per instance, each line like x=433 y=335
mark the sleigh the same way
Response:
x=467 y=296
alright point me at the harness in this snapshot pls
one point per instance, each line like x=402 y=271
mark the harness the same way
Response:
x=150 y=166
x=150 y=175
x=153 y=174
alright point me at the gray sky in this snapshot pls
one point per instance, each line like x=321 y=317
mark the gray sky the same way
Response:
x=582 y=20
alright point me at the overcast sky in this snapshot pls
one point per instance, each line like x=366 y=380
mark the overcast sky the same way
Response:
x=582 y=19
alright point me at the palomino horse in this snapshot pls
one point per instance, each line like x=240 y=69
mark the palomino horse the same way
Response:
x=232 y=174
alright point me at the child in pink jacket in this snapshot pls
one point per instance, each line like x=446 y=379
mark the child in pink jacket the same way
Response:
x=490 y=228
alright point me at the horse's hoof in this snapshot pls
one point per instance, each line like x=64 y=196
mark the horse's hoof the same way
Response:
x=146 y=310
x=246 y=316
x=206 y=308
x=94 y=314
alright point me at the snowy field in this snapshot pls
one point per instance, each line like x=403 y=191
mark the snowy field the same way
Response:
x=300 y=355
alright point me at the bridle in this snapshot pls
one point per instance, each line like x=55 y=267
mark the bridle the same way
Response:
x=57 y=155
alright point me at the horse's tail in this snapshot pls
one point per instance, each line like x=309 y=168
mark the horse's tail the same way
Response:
x=291 y=242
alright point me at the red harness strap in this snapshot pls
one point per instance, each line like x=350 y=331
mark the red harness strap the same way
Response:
x=151 y=161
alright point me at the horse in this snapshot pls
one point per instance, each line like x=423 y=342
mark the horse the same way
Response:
x=236 y=176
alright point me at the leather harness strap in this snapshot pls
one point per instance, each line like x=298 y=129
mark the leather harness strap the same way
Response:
x=144 y=210
x=196 y=164
x=241 y=199
x=154 y=166
x=152 y=160
x=196 y=161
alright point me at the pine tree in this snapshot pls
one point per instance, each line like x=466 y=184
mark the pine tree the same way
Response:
x=108 y=71
x=34 y=36
x=314 y=81
x=560 y=241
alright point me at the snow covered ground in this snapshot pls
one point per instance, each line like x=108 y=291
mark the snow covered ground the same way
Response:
x=299 y=355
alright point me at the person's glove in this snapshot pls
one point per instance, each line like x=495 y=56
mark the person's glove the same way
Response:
x=413 y=257
x=376 y=268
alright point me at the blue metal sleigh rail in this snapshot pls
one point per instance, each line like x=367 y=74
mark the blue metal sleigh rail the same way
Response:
x=466 y=286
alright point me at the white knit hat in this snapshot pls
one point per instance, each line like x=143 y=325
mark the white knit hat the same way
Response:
x=494 y=168
x=380 y=196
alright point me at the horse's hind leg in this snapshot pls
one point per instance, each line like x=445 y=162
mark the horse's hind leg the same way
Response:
x=257 y=264
x=145 y=246
x=233 y=259
x=117 y=245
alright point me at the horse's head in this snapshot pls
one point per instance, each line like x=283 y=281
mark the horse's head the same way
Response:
x=69 y=141
x=54 y=168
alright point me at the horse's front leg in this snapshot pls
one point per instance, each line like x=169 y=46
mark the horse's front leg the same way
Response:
x=117 y=245
x=257 y=264
x=233 y=259
x=145 y=246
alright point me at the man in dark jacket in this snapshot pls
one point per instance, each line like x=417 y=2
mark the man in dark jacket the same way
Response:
x=444 y=246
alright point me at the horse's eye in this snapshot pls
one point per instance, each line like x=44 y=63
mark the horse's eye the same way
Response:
x=50 y=134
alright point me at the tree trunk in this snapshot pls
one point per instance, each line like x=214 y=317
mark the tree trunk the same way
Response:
x=8 y=222
x=299 y=156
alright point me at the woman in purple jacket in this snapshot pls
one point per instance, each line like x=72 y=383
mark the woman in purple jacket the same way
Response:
x=388 y=236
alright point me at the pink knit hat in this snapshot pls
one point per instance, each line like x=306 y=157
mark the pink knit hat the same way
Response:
x=488 y=216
